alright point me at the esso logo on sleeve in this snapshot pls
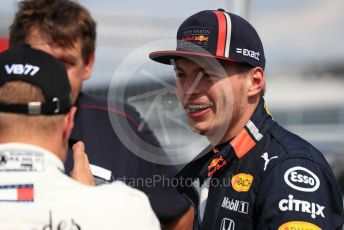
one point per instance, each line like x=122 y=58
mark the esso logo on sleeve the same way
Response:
x=301 y=179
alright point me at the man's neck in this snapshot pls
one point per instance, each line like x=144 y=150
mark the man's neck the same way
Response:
x=235 y=129
x=46 y=143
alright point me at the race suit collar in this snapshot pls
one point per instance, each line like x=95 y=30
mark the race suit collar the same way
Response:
x=25 y=157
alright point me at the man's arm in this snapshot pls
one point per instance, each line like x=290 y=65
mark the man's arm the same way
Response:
x=184 y=222
x=299 y=192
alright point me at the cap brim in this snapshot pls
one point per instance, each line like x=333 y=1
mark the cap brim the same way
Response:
x=169 y=56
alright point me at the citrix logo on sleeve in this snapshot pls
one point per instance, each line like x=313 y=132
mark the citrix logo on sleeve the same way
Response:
x=301 y=179
x=295 y=205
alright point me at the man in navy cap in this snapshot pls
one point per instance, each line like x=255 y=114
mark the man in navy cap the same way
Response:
x=258 y=175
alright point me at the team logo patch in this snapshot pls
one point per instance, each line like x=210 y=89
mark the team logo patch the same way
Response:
x=215 y=165
x=200 y=38
x=303 y=206
x=17 y=192
x=248 y=53
x=235 y=205
x=295 y=225
x=266 y=158
x=227 y=224
x=194 y=37
x=242 y=182
x=301 y=179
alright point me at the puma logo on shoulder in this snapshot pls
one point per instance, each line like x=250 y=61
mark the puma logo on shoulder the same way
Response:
x=265 y=156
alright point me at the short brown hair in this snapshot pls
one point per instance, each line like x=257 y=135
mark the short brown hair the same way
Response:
x=238 y=67
x=63 y=21
x=241 y=68
x=20 y=92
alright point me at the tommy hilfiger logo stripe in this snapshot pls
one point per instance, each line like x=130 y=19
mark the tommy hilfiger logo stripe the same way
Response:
x=17 y=192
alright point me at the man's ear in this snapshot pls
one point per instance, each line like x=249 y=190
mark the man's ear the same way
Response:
x=89 y=66
x=68 y=124
x=257 y=81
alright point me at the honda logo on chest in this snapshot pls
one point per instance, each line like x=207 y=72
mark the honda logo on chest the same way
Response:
x=227 y=224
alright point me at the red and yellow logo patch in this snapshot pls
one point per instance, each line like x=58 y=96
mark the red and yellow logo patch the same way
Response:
x=200 y=38
x=242 y=182
x=296 y=225
x=215 y=165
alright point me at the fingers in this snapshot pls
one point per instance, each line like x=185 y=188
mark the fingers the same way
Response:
x=79 y=155
x=81 y=169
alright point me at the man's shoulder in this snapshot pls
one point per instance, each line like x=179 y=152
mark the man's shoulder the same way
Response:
x=96 y=108
x=116 y=191
x=285 y=147
x=291 y=145
x=122 y=191
x=97 y=207
x=118 y=195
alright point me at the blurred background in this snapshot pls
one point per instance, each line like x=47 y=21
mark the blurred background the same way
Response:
x=304 y=71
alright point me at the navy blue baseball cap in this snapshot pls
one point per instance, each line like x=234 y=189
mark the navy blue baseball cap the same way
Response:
x=215 y=34
x=38 y=68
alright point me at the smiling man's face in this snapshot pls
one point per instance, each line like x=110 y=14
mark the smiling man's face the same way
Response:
x=212 y=99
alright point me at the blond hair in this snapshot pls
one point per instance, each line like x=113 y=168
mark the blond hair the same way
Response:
x=19 y=92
